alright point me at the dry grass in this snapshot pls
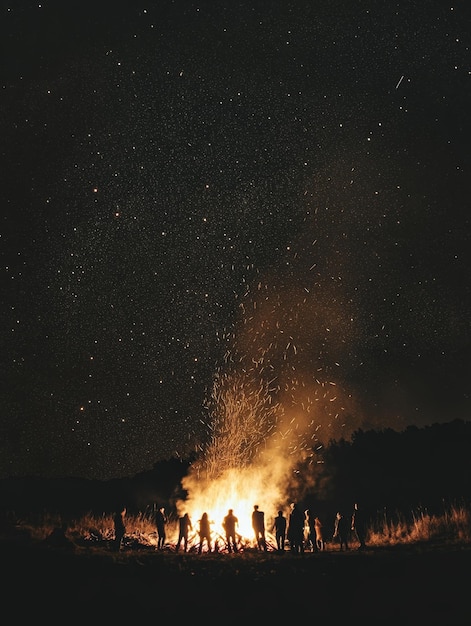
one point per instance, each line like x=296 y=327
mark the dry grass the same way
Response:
x=412 y=574
x=452 y=527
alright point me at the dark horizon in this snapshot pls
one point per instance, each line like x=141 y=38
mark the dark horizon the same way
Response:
x=384 y=472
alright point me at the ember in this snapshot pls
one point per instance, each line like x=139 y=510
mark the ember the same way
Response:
x=265 y=417
x=238 y=469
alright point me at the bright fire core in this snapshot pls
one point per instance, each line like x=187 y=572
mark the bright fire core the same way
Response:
x=239 y=469
x=247 y=462
x=267 y=412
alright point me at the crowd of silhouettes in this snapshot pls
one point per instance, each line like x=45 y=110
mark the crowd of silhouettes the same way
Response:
x=301 y=531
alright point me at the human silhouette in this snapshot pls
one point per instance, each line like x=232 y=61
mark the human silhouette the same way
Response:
x=204 y=532
x=258 y=525
x=230 y=524
x=119 y=528
x=184 y=527
x=341 y=530
x=279 y=528
x=359 y=526
x=161 y=520
x=311 y=530
x=296 y=529
x=58 y=538
x=320 y=543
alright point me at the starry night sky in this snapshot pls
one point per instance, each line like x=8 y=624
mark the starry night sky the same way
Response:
x=278 y=188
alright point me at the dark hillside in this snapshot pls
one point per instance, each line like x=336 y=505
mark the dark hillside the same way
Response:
x=391 y=470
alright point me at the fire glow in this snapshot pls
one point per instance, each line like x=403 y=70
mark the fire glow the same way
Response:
x=268 y=410
x=245 y=462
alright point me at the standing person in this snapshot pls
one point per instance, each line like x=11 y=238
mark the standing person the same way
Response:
x=296 y=529
x=311 y=531
x=58 y=538
x=279 y=527
x=119 y=528
x=320 y=543
x=230 y=524
x=161 y=520
x=204 y=532
x=359 y=526
x=184 y=527
x=258 y=525
x=341 y=530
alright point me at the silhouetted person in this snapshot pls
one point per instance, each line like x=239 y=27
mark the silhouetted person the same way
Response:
x=161 y=520
x=184 y=527
x=311 y=530
x=279 y=527
x=204 y=532
x=258 y=525
x=359 y=526
x=119 y=529
x=320 y=543
x=341 y=530
x=58 y=538
x=229 y=524
x=296 y=529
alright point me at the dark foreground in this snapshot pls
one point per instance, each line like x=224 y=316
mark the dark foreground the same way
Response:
x=402 y=585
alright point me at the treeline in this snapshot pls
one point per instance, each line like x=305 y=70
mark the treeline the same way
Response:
x=78 y=496
x=418 y=467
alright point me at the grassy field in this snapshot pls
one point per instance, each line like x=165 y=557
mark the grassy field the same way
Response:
x=415 y=582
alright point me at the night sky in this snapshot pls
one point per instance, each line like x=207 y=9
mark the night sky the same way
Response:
x=277 y=190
